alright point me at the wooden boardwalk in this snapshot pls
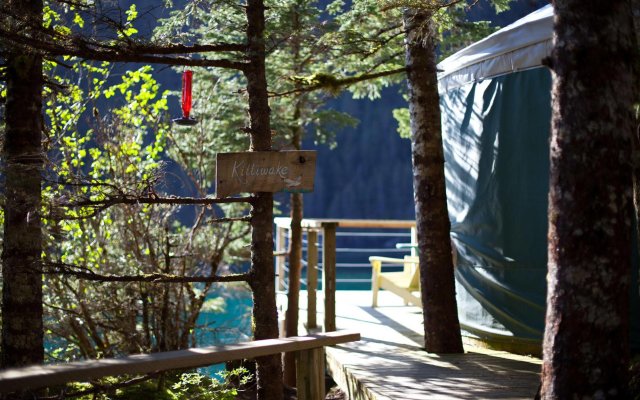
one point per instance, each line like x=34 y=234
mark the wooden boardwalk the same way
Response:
x=389 y=363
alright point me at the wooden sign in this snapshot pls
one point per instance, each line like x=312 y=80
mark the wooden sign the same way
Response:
x=265 y=171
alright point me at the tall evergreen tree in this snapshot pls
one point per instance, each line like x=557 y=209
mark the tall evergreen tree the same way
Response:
x=262 y=280
x=586 y=343
x=437 y=283
x=296 y=52
x=120 y=46
x=22 y=333
x=414 y=29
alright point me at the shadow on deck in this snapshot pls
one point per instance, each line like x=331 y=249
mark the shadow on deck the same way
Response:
x=389 y=362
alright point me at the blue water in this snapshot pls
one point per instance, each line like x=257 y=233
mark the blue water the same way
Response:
x=229 y=323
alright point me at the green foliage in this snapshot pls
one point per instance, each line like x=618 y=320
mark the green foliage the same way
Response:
x=97 y=152
x=501 y=5
x=404 y=125
x=372 y=31
x=327 y=122
x=298 y=57
x=366 y=39
x=311 y=47
x=456 y=33
x=201 y=387
x=184 y=386
x=187 y=25
x=220 y=108
x=144 y=390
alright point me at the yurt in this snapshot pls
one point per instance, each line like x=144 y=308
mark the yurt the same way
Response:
x=495 y=98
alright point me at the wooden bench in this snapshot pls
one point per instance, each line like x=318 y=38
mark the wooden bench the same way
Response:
x=403 y=283
x=309 y=367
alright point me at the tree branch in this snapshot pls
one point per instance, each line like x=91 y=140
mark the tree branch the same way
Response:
x=155 y=200
x=336 y=83
x=86 y=274
x=129 y=53
x=429 y=6
x=97 y=388
x=187 y=49
x=246 y=218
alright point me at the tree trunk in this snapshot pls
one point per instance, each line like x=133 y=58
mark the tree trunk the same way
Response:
x=295 y=269
x=586 y=343
x=441 y=326
x=262 y=280
x=22 y=328
x=635 y=137
x=296 y=213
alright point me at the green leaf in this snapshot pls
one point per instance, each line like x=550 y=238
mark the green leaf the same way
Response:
x=402 y=116
x=78 y=20
x=132 y=13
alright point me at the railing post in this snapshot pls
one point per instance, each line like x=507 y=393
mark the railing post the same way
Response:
x=329 y=275
x=376 y=267
x=310 y=374
x=312 y=277
x=281 y=234
x=414 y=242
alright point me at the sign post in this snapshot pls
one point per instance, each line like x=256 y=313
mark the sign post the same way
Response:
x=265 y=171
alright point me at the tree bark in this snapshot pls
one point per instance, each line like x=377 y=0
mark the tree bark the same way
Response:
x=262 y=275
x=296 y=205
x=22 y=327
x=586 y=341
x=295 y=271
x=441 y=325
x=635 y=137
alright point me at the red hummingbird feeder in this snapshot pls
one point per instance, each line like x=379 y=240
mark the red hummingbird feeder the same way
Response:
x=185 y=120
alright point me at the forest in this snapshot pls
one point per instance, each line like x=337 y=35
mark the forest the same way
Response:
x=114 y=241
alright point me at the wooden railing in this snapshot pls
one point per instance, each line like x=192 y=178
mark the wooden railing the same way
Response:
x=309 y=367
x=326 y=228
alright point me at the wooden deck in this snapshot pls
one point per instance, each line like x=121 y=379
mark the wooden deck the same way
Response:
x=389 y=363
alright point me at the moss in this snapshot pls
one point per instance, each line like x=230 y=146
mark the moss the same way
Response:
x=326 y=82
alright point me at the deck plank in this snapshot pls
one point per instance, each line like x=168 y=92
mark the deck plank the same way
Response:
x=389 y=363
